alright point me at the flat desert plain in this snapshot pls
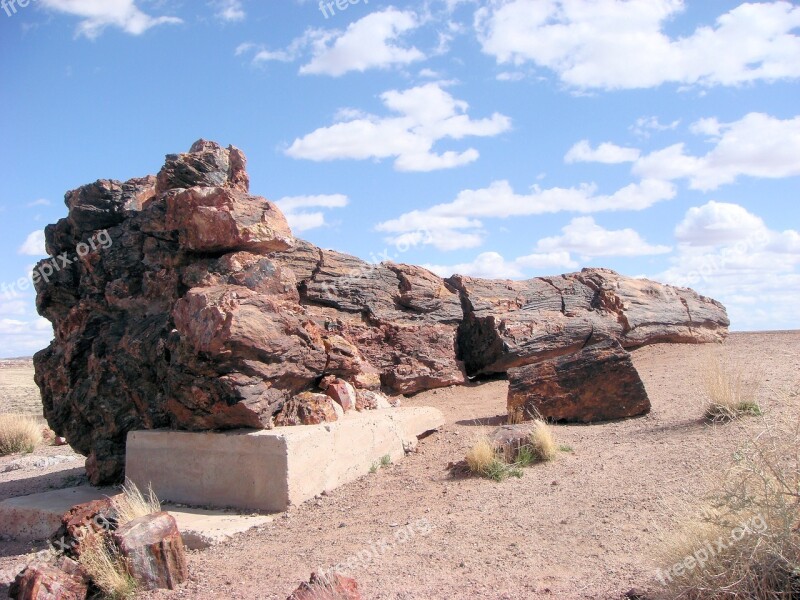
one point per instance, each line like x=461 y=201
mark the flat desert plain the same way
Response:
x=588 y=525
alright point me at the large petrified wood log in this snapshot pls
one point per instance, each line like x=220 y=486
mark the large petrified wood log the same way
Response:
x=180 y=300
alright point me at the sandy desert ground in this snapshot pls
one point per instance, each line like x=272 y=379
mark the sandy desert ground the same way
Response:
x=584 y=526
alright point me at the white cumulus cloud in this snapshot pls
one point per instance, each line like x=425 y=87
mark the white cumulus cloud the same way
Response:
x=585 y=237
x=33 y=244
x=372 y=42
x=730 y=254
x=424 y=115
x=622 y=44
x=300 y=218
x=606 y=152
x=457 y=224
x=757 y=145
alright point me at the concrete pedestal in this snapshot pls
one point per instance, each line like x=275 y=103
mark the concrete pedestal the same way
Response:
x=271 y=470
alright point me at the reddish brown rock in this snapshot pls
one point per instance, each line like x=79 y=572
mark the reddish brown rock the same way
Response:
x=343 y=393
x=400 y=320
x=224 y=220
x=508 y=324
x=307 y=408
x=154 y=552
x=65 y=580
x=196 y=309
x=599 y=383
x=81 y=520
x=327 y=587
x=206 y=164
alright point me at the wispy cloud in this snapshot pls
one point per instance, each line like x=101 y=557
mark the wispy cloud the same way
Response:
x=97 y=16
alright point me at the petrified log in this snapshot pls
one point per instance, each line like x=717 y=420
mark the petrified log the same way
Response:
x=154 y=552
x=180 y=300
x=599 y=383
x=65 y=580
x=513 y=323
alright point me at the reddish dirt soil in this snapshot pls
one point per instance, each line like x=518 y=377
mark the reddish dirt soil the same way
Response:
x=584 y=526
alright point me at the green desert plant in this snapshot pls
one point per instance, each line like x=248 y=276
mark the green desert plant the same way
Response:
x=746 y=544
x=386 y=460
x=19 y=433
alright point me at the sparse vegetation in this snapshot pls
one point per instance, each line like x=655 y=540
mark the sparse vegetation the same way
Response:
x=19 y=433
x=481 y=456
x=566 y=448
x=132 y=504
x=374 y=468
x=729 y=393
x=486 y=460
x=386 y=460
x=755 y=513
x=106 y=567
x=542 y=442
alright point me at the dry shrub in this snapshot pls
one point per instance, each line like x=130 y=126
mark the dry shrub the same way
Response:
x=481 y=456
x=131 y=503
x=107 y=569
x=730 y=393
x=19 y=433
x=755 y=513
x=542 y=441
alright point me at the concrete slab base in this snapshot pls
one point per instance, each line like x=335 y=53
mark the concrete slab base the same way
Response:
x=272 y=470
x=38 y=516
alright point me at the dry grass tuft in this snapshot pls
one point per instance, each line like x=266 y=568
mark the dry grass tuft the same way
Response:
x=729 y=393
x=106 y=568
x=542 y=441
x=19 y=433
x=131 y=503
x=485 y=459
x=747 y=542
x=481 y=456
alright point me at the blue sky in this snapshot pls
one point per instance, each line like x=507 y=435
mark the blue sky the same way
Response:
x=508 y=138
